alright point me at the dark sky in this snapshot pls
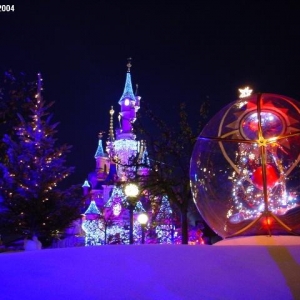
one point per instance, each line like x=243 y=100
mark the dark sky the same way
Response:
x=181 y=50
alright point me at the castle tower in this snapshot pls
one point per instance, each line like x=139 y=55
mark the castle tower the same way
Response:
x=130 y=104
x=102 y=160
x=86 y=188
x=125 y=146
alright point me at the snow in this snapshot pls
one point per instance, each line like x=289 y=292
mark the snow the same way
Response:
x=244 y=268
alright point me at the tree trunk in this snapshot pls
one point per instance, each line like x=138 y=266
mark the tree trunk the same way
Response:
x=184 y=227
x=131 y=208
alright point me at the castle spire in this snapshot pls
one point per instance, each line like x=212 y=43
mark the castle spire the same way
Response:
x=100 y=152
x=136 y=89
x=111 y=137
x=111 y=125
x=92 y=209
x=128 y=93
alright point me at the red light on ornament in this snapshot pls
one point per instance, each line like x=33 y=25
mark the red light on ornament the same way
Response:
x=254 y=125
x=272 y=177
x=267 y=222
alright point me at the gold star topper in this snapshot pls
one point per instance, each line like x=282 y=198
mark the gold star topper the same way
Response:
x=245 y=92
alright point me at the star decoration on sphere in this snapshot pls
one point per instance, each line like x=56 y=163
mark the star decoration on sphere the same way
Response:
x=245 y=92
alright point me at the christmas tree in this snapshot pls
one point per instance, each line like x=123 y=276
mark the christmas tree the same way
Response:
x=15 y=94
x=32 y=202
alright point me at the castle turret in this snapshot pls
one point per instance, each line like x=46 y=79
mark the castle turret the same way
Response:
x=86 y=188
x=102 y=161
x=93 y=226
x=130 y=104
x=125 y=146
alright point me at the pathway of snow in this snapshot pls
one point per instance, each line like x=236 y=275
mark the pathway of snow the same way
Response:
x=162 y=272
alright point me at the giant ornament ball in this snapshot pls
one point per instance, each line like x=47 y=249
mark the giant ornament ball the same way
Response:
x=245 y=167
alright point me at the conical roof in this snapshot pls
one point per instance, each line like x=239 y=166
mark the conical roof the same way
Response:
x=100 y=151
x=86 y=184
x=92 y=209
x=128 y=91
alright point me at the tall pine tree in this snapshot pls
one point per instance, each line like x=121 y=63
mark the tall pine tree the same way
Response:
x=16 y=93
x=32 y=203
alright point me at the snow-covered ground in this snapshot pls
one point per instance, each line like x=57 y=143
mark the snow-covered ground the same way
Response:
x=245 y=268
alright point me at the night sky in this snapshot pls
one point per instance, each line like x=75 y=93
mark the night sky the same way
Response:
x=182 y=51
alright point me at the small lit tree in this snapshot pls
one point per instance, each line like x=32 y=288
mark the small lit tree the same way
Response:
x=32 y=202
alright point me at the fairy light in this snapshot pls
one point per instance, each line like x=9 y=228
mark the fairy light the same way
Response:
x=125 y=149
x=117 y=208
x=248 y=200
x=94 y=232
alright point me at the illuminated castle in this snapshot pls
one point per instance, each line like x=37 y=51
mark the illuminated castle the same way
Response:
x=106 y=219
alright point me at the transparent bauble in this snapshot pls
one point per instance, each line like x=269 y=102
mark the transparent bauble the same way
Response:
x=245 y=170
